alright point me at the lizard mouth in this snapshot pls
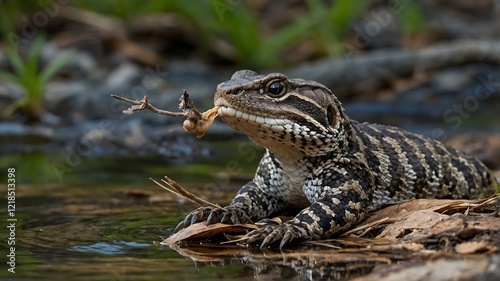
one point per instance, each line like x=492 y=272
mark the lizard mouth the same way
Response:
x=227 y=111
x=275 y=124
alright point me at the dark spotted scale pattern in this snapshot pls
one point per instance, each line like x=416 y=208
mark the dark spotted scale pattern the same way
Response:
x=331 y=168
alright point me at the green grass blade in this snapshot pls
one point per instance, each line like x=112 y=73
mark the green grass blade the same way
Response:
x=9 y=77
x=34 y=89
x=324 y=29
x=16 y=61
x=15 y=105
x=243 y=30
x=34 y=52
x=9 y=11
x=54 y=66
x=268 y=53
x=318 y=14
x=343 y=13
x=33 y=58
x=411 y=18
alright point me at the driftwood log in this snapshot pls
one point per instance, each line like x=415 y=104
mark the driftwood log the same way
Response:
x=372 y=67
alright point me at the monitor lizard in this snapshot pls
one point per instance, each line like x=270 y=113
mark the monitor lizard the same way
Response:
x=333 y=168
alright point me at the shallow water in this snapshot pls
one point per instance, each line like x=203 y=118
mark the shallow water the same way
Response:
x=105 y=218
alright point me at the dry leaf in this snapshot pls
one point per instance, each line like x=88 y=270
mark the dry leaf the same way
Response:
x=474 y=247
x=200 y=231
x=399 y=210
x=421 y=219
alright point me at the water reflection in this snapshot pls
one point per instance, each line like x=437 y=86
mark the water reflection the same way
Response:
x=117 y=247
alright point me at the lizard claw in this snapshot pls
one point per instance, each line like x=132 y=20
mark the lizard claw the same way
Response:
x=179 y=226
x=272 y=233
x=287 y=238
x=228 y=215
x=195 y=216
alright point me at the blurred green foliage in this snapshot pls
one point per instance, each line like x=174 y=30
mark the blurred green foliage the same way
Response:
x=495 y=187
x=30 y=77
x=331 y=23
x=27 y=72
x=411 y=18
x=35 y=167
x=326 y=24
x=127 y=9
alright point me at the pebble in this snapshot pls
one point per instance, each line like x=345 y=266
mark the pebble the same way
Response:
x=124 y=74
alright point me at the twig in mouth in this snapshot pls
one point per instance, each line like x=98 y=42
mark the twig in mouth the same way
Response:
x=144 y=104
x=195 y=121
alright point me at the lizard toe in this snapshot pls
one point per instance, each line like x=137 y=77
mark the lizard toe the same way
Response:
x=274 y=236
x=195 y=216
x=272 y=233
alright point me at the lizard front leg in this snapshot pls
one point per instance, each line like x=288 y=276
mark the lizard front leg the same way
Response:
x=250 y=204
x=336 y=211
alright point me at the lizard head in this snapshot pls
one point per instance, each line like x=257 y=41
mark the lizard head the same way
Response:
x=291 y=117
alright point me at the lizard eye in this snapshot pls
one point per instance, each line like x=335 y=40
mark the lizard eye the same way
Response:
x=276 y=88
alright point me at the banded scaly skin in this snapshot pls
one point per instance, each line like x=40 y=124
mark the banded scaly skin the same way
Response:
x=333 y=168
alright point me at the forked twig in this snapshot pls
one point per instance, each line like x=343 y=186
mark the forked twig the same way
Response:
x=144 y=104
x=195 y=121
x=181 y=192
